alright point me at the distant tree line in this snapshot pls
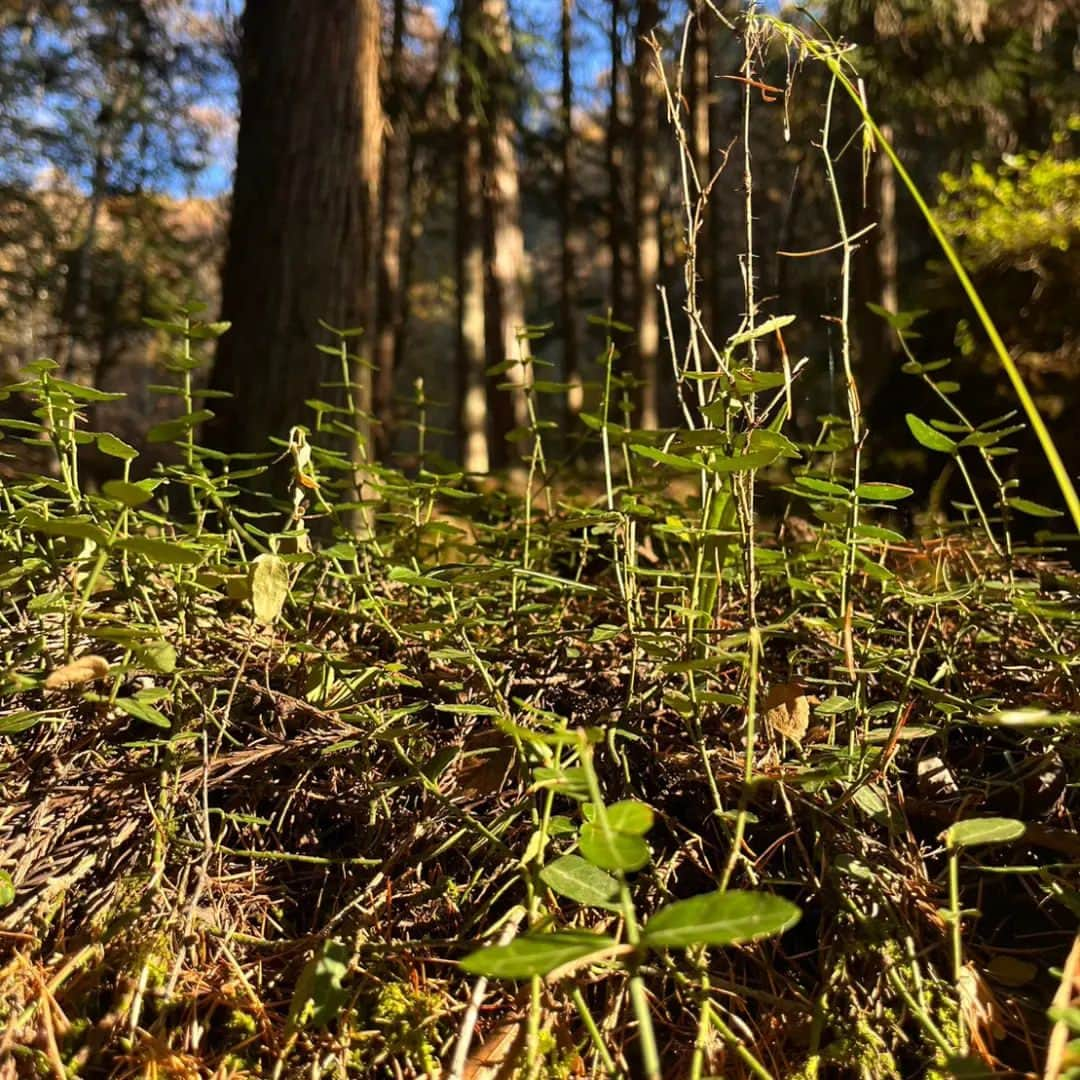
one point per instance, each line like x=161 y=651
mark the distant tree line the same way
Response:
x=444 y=186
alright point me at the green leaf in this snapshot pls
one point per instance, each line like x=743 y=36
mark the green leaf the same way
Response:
x=165 y=552
x=613 y=850
x=424 y=581
x=1031 y=717
x=114 y=447
x=83 y=393
x=127 y=493
x=203 y=331
x=777 y=322
x=719 y=918
x=318 y=995
x=755 y=459
x=576 y=879
x=7 y=889
x=15 y=722
x=141 y=710
x=929 y=437
x=818 y=486
x=74 y=528
x=1034 y=509
x=157 y=656
x=879 y=532
x=989 y=830
x=170 y=430
x=630 y=816
x=535 y=954
x=883 y=492
x=898 y=320
x=269 y=581
x=753 y=382
x=672 y=461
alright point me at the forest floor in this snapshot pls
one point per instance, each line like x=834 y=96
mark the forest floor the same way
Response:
x=262 y=795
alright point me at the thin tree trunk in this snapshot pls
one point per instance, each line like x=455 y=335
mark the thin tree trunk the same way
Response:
x=568 y=281
x=394 y=191
x=615 y=169
x=877 y=283
x=646 y=217
x=304 y=203
x=505 y=240
x=888 y=246
x=472 y=393
x=700 y=147
x=369 y=172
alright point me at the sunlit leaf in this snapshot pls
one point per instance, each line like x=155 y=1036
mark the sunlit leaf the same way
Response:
x=989 y=830
x=269 y=581
x=577 y=879
x=535 y=954
x=613 y=850
x=630 y=816
x=719 y=918
x=929 y=437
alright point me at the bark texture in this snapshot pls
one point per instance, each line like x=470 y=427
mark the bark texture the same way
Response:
x=472 y=393
x=395 y=192
x=304 y=205
x=505 y=241
x=568 y=292
x=646 y=215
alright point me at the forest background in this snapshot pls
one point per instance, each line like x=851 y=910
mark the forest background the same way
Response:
x=507 y=166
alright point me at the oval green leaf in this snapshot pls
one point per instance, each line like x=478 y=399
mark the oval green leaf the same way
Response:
x=1033 y=509
x=990 y=830
x=929 y=437
x=162 y=551
x=169 y=430
x=577 y=879
x=126 y=493
x=630 y=816
x=140 y=710
x=7 y=889
x=114 y=447
x=883 y=492
x=613 y=850
x=719 y=918
x=535 y=954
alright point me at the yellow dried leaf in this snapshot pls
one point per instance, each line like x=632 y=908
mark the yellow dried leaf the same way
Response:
x=269 y=578
x=83 y=670
x=787 y=711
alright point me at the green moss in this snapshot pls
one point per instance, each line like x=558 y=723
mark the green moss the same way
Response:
x=406 y=1019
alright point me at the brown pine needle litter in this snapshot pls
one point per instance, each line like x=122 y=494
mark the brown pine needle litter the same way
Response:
x=171 y=887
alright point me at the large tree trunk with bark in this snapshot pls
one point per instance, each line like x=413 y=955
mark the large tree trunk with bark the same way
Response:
x=646 y=216
x=303 y=218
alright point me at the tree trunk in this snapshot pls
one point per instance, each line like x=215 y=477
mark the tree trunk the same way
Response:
x=393 y=223
x=304 y=203
x=646 y=217
x=568 y=282
x=472 y=394
x=505 y=240
x=615 y=169
x=700 y=148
